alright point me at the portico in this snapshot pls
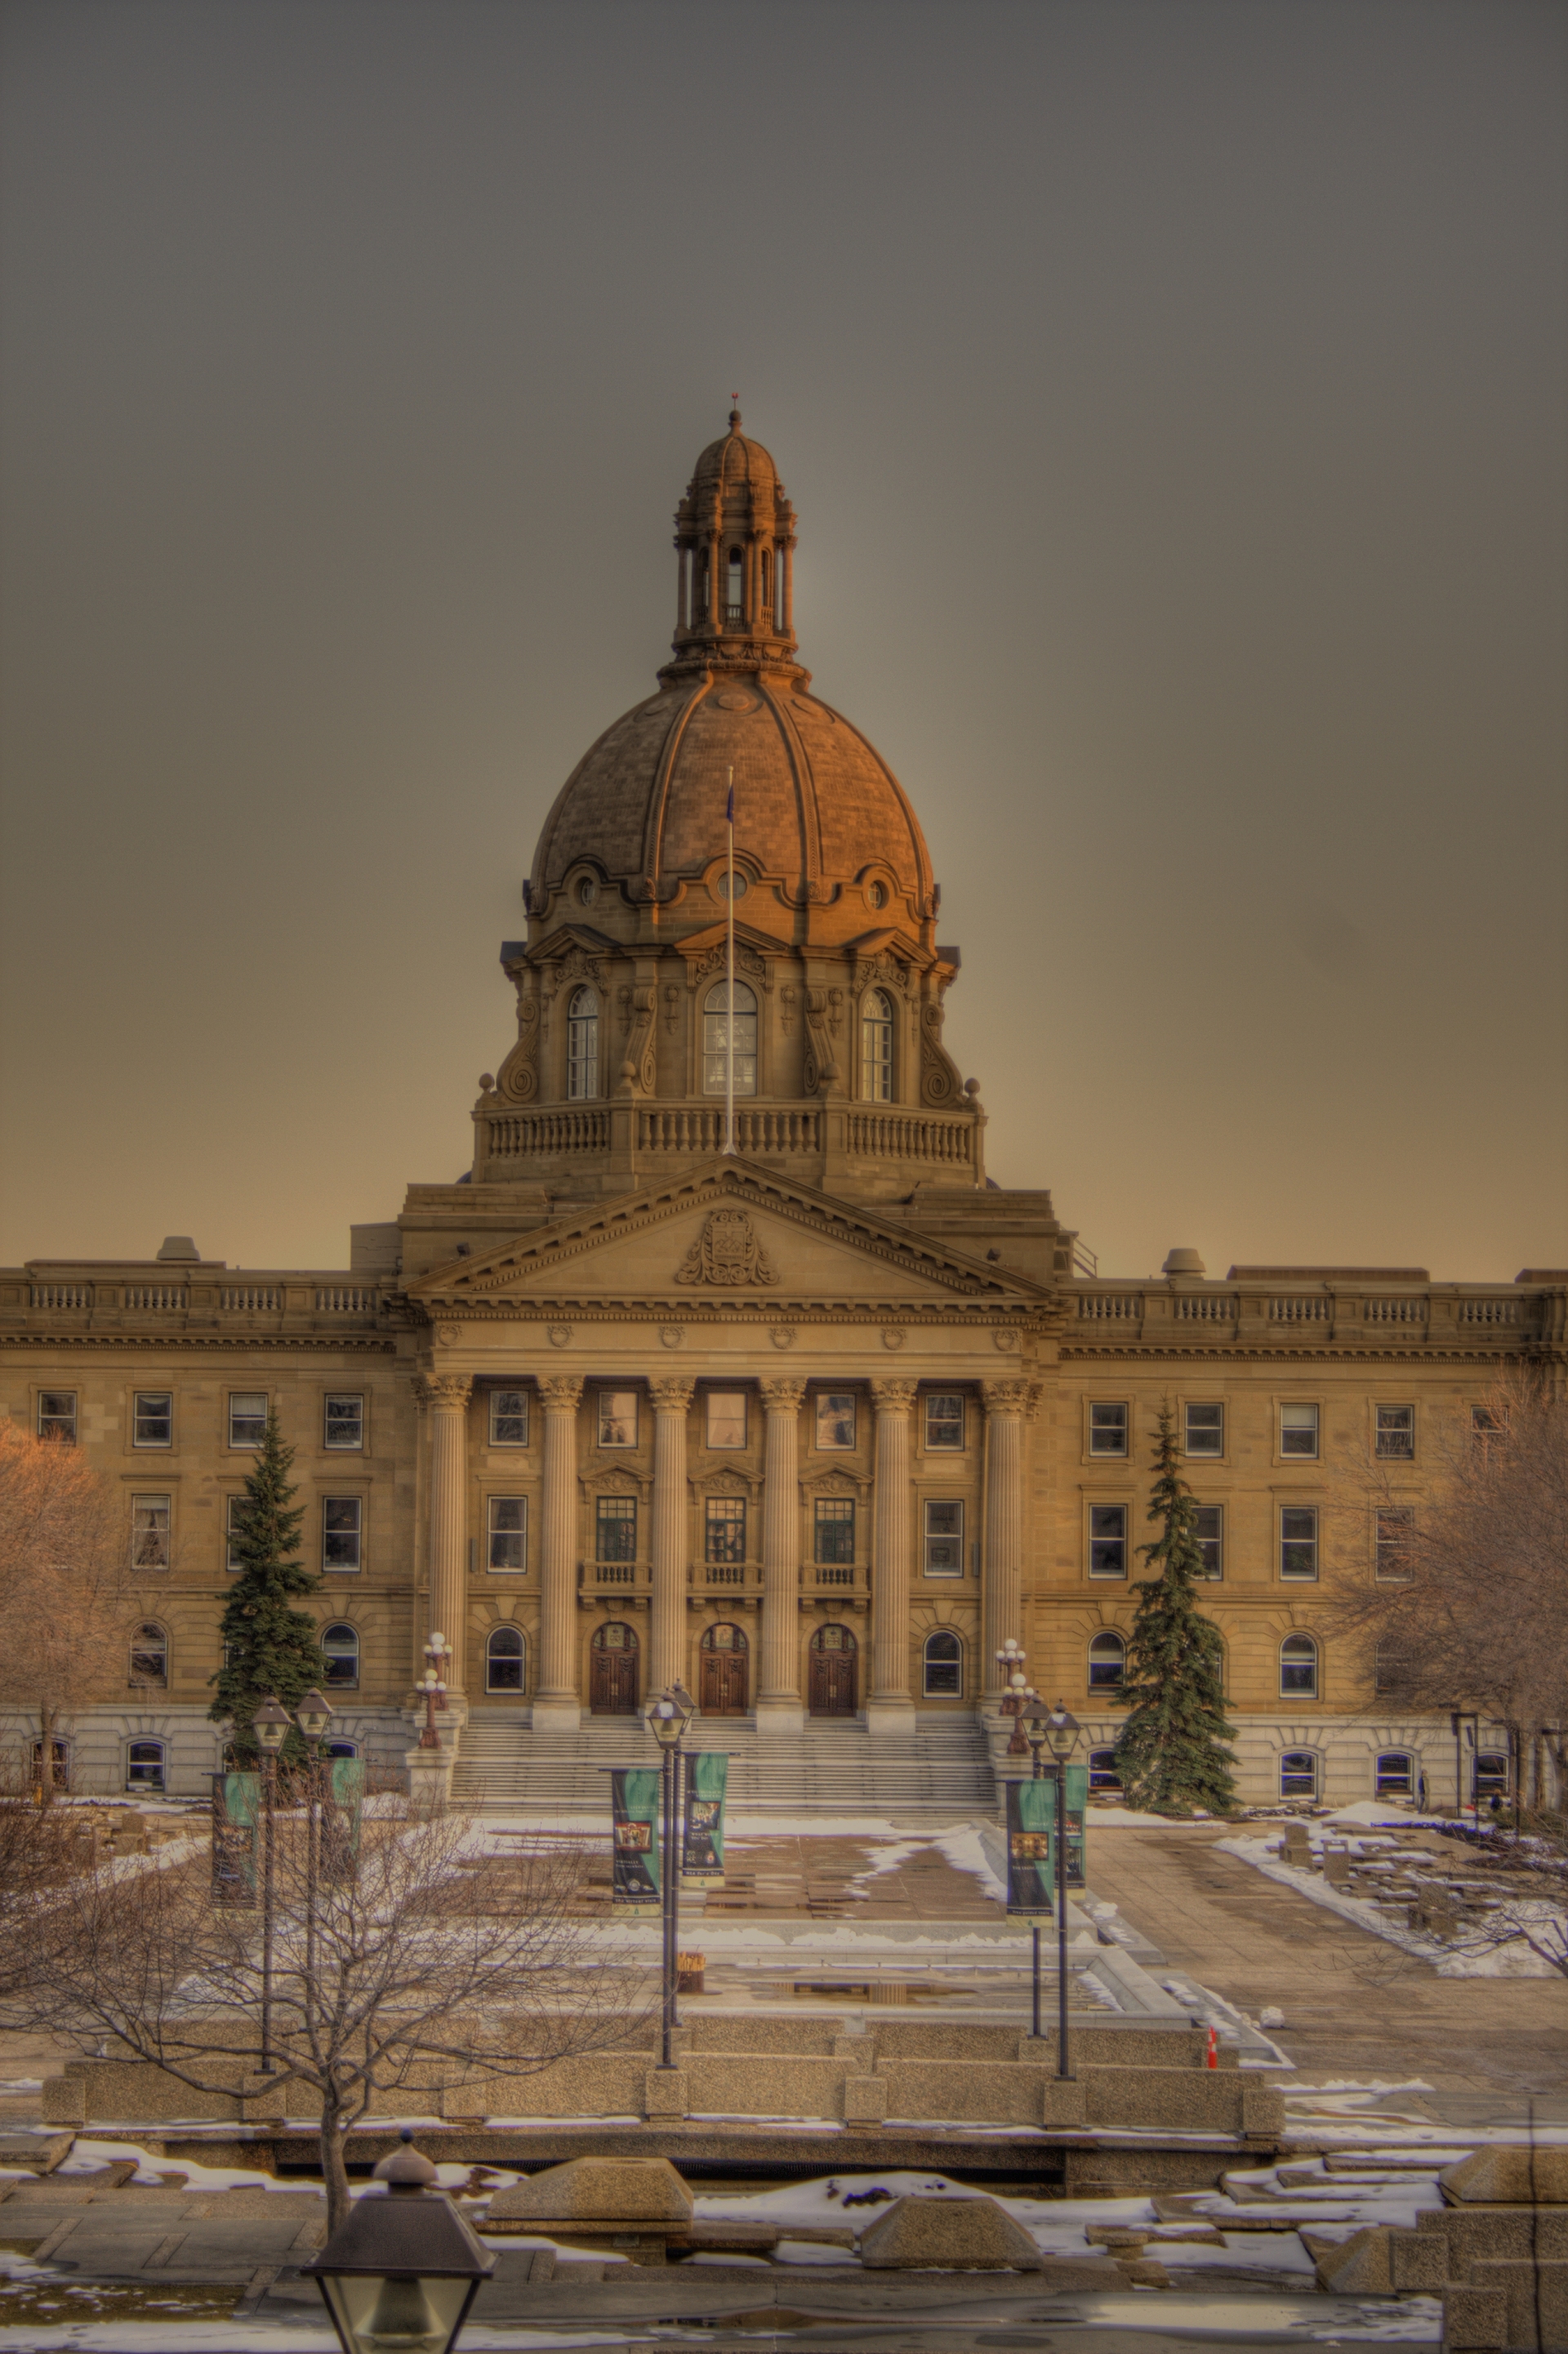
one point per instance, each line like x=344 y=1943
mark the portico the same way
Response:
x=678 y=1508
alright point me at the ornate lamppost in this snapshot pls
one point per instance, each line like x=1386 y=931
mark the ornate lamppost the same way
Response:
x=272 y=1726
x=403 y=2270
x=1062 y=1733
x=668 y=1716
x=312 y=1716
x=1013 y=1660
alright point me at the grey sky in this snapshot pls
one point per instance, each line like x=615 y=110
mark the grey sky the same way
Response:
x=1172 y=398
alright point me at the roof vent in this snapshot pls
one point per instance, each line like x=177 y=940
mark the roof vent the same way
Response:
x=178 y=1247
x=1182 y=1262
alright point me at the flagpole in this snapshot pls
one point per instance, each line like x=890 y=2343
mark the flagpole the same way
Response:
x=729 y=978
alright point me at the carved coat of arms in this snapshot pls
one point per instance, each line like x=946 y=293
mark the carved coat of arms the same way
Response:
x=727 y=1252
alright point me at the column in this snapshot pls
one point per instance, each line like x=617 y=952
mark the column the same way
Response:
x=556 y=1688
x=667 y=1644
x=449 y=1395
x=778 y=1703
x=889 y=1708
x=1006 y=1403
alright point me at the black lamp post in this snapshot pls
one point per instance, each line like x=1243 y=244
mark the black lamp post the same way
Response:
x=1034 y=1720
x=403 y=2270
x=272 y=1726
x=1062 y=1733
x=312 y=1716
x=668 y=1716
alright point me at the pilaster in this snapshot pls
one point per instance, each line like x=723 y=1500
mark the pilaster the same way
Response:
x=666 y=1651
x=779 y=1702
x=889 y=1708
x=556 y=1702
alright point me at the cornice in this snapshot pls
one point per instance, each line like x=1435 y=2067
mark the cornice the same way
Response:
x=275 y=1342
x=1276 y=1353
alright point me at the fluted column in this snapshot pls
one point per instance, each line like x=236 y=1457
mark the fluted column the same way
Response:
x=889 y=1708
x=1006 y=1403
x=667 y=1647
x=448 y=1397
x=778 y=1703
x=556 y=1692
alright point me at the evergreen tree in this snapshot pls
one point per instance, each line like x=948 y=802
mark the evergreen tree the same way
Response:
x=270 y=1649
x=1171 y=1754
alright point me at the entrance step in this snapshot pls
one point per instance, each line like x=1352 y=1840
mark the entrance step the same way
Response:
x=833 y=1767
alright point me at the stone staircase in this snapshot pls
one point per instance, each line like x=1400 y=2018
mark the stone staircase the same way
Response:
x=834 y=1767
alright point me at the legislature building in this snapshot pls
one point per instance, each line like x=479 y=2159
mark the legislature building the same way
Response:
x=814 y=1426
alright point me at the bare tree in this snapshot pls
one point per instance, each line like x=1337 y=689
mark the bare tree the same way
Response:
x=1470 y=1605
x=400 y=1963
x=68 y=1608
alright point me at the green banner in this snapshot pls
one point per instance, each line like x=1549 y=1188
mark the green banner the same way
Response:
x=236 y=1834
x=702 y=1834
x=1032 y=1839
x=343 y=1806
x=634 y=1803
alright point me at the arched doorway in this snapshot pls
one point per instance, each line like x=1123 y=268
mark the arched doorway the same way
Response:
x=612 y=1671
x=721 y=1681
x=830 y=1681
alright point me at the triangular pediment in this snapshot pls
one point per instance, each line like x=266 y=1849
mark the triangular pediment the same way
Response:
x=727 y=1232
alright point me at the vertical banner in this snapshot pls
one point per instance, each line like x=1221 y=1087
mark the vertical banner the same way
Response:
x=1032 y=1839
x=236 y=1830
x=702 y=1834
x=343 y=1806
x=1031 y=1816
x=634 y=1874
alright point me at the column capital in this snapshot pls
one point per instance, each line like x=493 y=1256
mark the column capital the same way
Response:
x=671 y=1394
x=1009 y=1397
x=561 y=1391
x=782 y=1394
x=894 y=1397
x=449 y=1393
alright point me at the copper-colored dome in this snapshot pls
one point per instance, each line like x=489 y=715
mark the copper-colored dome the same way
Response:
x=815 y=804
x=733 y=460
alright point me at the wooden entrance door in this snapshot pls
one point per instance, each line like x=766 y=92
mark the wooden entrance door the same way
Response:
x=831 y=1683
x=721 y=1684
x=612 y=1671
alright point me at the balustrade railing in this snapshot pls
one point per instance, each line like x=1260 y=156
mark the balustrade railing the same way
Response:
x=1488 y=1311
x=913 y=1135
x=1394 y=1312
x=1298 y=1312
x=345 y=1299
x=163 y=1298
x=1110 y=1307
x=1217 y=1309
x=251 y=1299
x=516 y=1135
x=62 y=1295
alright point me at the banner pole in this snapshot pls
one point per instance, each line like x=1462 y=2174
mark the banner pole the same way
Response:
x=729 y=977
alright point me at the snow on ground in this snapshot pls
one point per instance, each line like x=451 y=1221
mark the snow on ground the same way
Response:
x=1514 y=1960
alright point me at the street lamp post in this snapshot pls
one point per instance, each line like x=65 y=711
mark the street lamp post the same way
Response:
x=1062 y=1733
x=668 y=1716
x=271 y=1727
x=403 y=2271
x=1034 y=1719
x=437 y=1651
x=312 y=1716
x=1013 y=1660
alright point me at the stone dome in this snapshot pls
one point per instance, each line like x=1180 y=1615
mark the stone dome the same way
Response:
x=735 y=461
x=815 y=804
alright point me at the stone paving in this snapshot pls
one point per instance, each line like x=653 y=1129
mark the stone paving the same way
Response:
x=1354 y=2005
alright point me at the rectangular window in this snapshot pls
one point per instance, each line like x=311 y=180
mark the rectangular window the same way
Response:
x=1211 y=1534
x=726 y=1411
x=232 y=1561
x=1107 y=1540
x=344 y=1421
x=944 y=1538
x=614 y=1528
x=153 y=1418
x=1396 y=1431
x=1299 y=1431
x=835 y=1529
x=149 y=1532
x=944 y=1421
x=57 y=1413
x=618 y=1417
x=1205 y=1429
x=1107 y=1430
x=1298 y=1541
x=509 y=1418
x=1395 y=1534
x=246 y=1417
x=726 y=1529
x=835 y=1418
x=341 y=1520
x=508 y=1524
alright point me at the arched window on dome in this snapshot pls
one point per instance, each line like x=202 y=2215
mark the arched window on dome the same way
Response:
x=734 y=592
x=582 y=1045
x=877 y=1048
x=716 y=1020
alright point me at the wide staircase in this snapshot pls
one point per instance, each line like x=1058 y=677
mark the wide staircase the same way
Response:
x=834 y=1766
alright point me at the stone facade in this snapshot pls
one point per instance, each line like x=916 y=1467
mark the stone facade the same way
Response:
x=813 y=1424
